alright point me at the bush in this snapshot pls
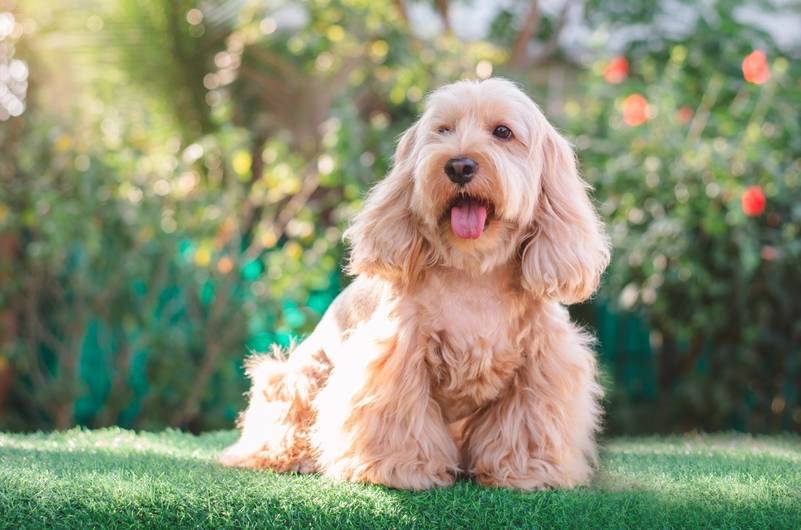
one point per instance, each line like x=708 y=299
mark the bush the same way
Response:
x=165 y=234
x=142 y=291
x=187 y=206
x=697 y=171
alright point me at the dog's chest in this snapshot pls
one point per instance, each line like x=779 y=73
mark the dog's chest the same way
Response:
x=472 y=330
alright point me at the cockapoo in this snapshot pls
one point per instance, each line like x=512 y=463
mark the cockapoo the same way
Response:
x=452 y=351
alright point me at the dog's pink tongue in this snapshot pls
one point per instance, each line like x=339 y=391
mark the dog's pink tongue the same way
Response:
x=468 y=218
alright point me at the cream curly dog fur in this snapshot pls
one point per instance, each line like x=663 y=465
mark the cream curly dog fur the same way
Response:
x=451 y=351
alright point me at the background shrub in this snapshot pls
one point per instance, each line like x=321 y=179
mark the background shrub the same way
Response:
x=175 y=180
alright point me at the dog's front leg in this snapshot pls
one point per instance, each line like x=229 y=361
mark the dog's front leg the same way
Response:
x=377 y=422
x=540 y=433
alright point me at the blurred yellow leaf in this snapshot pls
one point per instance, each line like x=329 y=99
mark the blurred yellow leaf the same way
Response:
x=203 y=256
x=572 y=108
x=752 y=132
x=63 y=143
x=294 y=250
x=241 y=162
x=268 y=239
x=379 y=50
x=335 y=33
x=678 y=54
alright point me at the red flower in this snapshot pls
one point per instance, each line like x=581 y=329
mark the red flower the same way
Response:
x=769 y=253
x=636 y=110
x=616 y=70
x=684 y=115
x=753 y=201
x=755 y=67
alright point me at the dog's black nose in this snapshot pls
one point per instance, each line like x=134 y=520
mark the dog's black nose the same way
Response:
x=461 y=170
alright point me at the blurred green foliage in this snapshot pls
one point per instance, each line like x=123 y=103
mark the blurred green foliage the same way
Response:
x=175 y=191
x=711 y=276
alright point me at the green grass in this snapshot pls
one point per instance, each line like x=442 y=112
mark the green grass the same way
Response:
x=116 y=478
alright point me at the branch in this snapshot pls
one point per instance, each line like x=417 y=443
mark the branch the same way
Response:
x=274 y=92
x=251 y=213
x=338 y=81
x=404 y=13
x=407 y=24
x=552 y=44
x=201 y=379
x=442 y=8
x=691 y=358
x=285 y=70
x=527 y=30
x=215 y=345
x=290 y=208
x=39 y=330
x=111 y=408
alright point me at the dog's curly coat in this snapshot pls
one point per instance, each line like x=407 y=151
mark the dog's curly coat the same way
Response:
x=451 y=351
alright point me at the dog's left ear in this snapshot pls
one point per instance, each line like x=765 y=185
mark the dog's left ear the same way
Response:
x=385 y=237
x=567 y=249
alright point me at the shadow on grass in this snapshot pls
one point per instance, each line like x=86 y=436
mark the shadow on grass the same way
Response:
x=108 y=487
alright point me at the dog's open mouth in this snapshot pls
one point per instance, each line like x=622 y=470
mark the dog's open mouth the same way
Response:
x=469 y=216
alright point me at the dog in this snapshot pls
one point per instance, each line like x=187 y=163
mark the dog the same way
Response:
x=451 y=352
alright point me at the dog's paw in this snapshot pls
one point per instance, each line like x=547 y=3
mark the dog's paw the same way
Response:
x=398 y=475
x=537 y=475
x=421 y=478
x=240 y=454
x=261 y=457
x=518 y=483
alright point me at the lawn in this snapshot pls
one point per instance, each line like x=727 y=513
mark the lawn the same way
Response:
x=117 y=478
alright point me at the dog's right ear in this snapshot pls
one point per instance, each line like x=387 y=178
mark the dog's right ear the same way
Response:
x=385 y=237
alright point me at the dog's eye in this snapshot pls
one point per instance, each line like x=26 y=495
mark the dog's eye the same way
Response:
x=503 y=132
x=443 y=129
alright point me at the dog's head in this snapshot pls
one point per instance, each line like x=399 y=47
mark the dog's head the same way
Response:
x=481 y=180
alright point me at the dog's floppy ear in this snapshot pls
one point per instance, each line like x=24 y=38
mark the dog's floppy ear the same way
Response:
x=567 y=249
x=385 y=236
